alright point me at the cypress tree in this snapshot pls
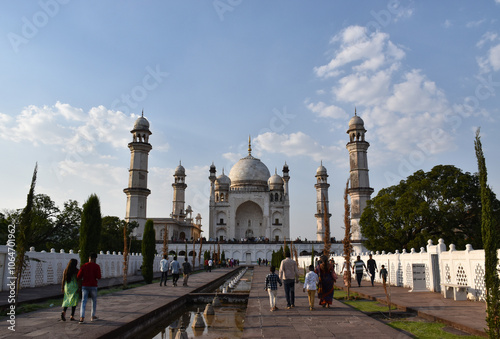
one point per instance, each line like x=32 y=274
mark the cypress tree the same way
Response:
x=148 y=251
x=90 y=228
x=490 y=242
x=25 y=227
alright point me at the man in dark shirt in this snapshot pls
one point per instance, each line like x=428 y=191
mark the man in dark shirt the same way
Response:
x=372 y=266
x=89 y=273
x=186 y=270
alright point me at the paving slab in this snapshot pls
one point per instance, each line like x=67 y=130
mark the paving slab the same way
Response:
x=339 y=321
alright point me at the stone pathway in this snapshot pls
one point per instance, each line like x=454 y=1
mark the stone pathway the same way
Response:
x=340 y=321
x=121 y=310
x=115 y=311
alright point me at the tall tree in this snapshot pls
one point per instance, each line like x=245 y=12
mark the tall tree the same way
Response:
x=491 y=242
x=347 y=239
x=25 y=228
x=326 y=224
x=90 y=228
x=148 y=251
x=442 y=203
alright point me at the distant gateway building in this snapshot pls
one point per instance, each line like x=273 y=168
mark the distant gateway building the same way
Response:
x=249 y=203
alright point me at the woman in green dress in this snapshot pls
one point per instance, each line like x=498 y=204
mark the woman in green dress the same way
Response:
x=70 y=287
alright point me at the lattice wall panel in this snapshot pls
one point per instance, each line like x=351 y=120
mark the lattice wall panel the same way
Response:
x=479 y=284
x=409 y=277
x=39 y=274
x=461 y=276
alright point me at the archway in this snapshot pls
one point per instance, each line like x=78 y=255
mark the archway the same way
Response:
x=249 y=220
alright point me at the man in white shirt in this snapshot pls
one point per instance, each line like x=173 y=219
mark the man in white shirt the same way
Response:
x=164 y=269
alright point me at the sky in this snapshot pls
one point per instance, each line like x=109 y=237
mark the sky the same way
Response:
x=75 y=75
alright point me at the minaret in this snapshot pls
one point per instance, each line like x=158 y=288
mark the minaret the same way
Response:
x=359 y=190
x=137 y=191
x=321 y=201
x=179 y=186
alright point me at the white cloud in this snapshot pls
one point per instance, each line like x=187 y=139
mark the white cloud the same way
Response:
x=487 y=37
x=324 y=111
x=363 y=89
x=400 y=115
x=447 y=23
x=374 y=50
x=476 y=23
x=68 y=127
x=298 y=144
x=416 y=94
x=494 y=57
x=490 y=61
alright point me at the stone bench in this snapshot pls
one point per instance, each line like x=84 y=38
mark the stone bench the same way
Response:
x=457 y=292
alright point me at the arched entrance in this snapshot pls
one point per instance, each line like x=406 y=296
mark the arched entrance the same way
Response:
x=249 y=221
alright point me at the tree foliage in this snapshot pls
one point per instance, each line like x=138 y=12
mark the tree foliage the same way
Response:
x=442 y=203
x=90 y=228
x=491 y=241
x=24 y=232
x=51 y=227
x=112 y=236
x=148 y=251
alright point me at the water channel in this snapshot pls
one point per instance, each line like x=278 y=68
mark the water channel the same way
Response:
x=226 y=323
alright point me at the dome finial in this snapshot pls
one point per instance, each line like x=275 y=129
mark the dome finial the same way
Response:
x=355 y=113
x=142 y=114
x=249 y=145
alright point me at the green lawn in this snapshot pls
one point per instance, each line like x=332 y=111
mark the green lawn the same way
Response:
x=420 y=329
x=369 y=306
x=427 y=330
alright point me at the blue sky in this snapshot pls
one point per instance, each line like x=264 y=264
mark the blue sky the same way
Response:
x=76 y=75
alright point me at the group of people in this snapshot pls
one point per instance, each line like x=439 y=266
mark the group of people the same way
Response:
x=175 y=268
x=320 y=278
x=371 y=266
x=82 y=280
x=262 y=261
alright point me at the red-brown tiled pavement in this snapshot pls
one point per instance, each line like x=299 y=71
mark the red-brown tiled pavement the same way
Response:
x=340 y=321
x=468 y=316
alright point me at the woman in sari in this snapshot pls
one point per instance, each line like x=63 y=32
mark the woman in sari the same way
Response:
x=70 y=287
x=327 y=278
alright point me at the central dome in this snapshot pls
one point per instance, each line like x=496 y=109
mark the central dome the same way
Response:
x=249 y=171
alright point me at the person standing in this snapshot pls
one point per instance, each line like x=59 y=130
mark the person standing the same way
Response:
x=358 y=268
x=310 y=282
x=89 y=274
x=174 y=267
x=70 y=287
x=372 y=266
x=186 y=270
x=164 y=270
x=271 y=287
x=383 y=274
x=290 y=276
x=327 y=277
x=210 y=264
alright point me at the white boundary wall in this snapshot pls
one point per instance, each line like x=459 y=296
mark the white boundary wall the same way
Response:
x=465 y=268
x=46 y=268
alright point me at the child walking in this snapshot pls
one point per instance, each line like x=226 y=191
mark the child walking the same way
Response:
x=310 y=282
x=272 y=281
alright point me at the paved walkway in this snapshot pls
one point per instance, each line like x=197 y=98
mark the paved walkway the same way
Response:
x=119 y=309
x=339 y=321
x=114 y=310
x=468 y=316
